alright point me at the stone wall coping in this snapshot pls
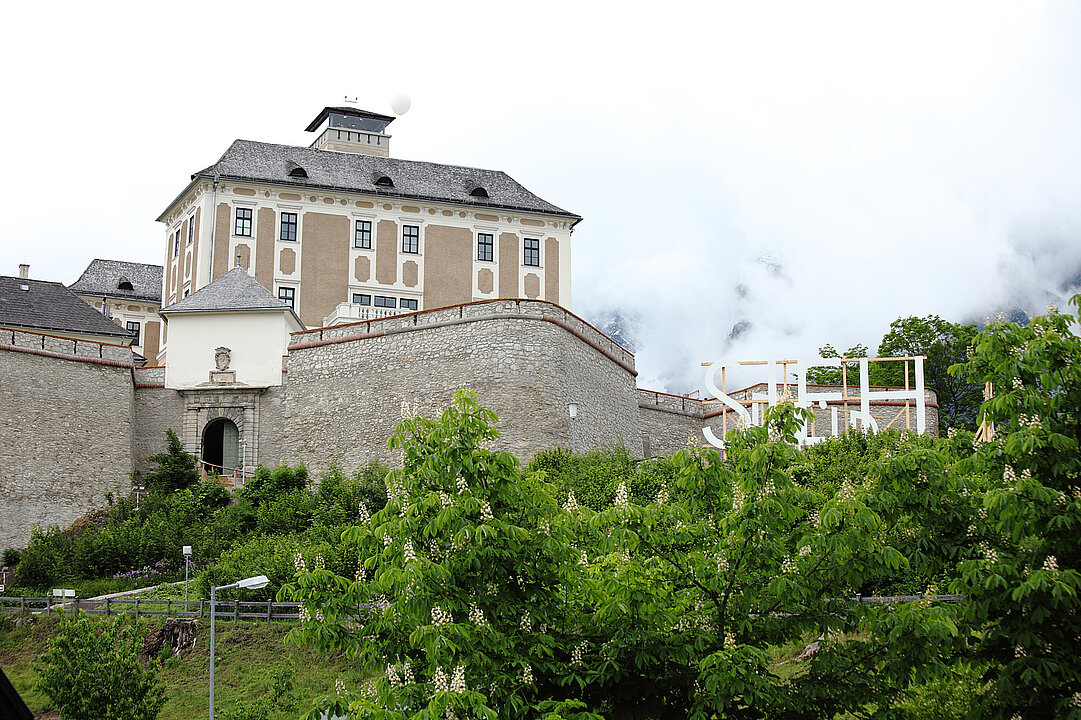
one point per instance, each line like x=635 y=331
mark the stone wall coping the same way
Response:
x=667 y=402
x=64 y=348
x=538 y=310
x=464 y=308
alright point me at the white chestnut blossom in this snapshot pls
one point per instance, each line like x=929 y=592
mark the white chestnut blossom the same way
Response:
x=362 y=513
x=408 y=552
x=457 y=683
x=525 y=624
x=621 y=496
x=440 y=616
x=572 y=504
x=439 y=679
x=577 y=652
x=298 y=562
x=485 y=510
x=462 y=484
x=476 y=616
x=527 y=674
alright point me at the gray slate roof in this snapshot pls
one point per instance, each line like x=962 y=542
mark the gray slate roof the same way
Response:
x=351 y=172
x=235 y=290
x=103 y=277
x=50 y=307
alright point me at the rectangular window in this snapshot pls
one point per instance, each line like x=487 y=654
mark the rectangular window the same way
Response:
x=191 y=229
x=289 y=226
x=176 y=243
x=288 y=296
x=531 y=254
x=408 y=304
x=362 y=299
x=362 y=234
x=242 y=226
x=485 y=247
x=384 y=301
x=410 y=239
x=133 y=328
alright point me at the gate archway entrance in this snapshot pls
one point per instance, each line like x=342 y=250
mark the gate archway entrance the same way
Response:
x=221 y=446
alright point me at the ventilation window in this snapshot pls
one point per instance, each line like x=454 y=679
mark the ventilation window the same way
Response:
x=384 y=181
x=479 y=192
x=125 y=284
x=298 y=172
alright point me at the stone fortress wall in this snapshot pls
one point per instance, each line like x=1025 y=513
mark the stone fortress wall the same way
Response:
x=66 y=423
x=77 y=417
x=526 y=360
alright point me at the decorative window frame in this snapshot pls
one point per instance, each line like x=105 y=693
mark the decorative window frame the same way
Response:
x=292 y=210
x=240 y=205
x=294 y=286
x=540 y=251
x=369 y=218
x=402 y=225
x=479 y=230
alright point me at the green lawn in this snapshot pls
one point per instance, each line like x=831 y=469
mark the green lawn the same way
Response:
x=250 y=656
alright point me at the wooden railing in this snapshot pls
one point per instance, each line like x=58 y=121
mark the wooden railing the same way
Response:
x=265 y=610
x=227 y=476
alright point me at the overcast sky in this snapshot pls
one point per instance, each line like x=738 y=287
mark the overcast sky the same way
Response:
x=806 y=171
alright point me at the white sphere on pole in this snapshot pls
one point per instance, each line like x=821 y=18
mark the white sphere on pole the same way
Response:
x=400 y=104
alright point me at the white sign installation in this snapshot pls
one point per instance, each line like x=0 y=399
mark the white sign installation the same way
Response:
x=856 y=418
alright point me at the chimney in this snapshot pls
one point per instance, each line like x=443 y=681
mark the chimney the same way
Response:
x=352 y=130
x=24 y=270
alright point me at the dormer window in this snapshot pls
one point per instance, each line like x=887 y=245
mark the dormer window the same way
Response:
x=125 y=284
x=295 y=170
x=384 y=181
x=479 y=192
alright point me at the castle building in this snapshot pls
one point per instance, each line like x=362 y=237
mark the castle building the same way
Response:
x=340 y=231
x=128 y=293
x=48 y=309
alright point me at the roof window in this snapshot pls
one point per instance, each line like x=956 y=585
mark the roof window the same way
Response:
x=295 y=170
x=384 y=181
x=479 y=192
x=125 y=284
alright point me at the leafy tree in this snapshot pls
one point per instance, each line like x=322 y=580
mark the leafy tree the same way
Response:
x=944 y=344
x=493 y=601
x=1022 y=577
x=91 y=671
x=175 y=470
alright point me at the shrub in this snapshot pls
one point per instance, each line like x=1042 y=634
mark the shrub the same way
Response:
x=176 y=468
x=92 y=672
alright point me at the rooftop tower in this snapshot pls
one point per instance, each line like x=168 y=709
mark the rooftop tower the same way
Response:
x=352 y=130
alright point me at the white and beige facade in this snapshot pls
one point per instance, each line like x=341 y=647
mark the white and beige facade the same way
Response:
x=346 y=236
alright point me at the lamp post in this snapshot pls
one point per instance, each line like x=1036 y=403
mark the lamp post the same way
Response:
x=252 y=583
x=243 y=460
x=572 y=410
x=187 y=560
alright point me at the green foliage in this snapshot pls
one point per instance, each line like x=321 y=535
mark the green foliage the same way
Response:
x=595 y=476
x=943 y=343
x=1022 y=573
x=175 y=470
x=491 y=600
x=266 y=484
x=12 y=557
x=91 y=672
x=133 y=547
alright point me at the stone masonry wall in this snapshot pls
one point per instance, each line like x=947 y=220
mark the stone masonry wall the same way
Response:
x=66 y=422
x=525 y=359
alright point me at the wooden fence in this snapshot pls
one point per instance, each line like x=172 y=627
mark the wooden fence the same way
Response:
x=262 y=610
x=224 y=609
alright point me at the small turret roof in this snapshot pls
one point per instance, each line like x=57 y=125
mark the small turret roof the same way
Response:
x=105 y=277
x=234 y=291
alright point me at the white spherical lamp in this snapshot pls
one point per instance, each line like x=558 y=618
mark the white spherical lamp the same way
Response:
x=400 y=104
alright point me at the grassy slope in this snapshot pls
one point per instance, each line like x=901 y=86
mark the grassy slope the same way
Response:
x=250 y=655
